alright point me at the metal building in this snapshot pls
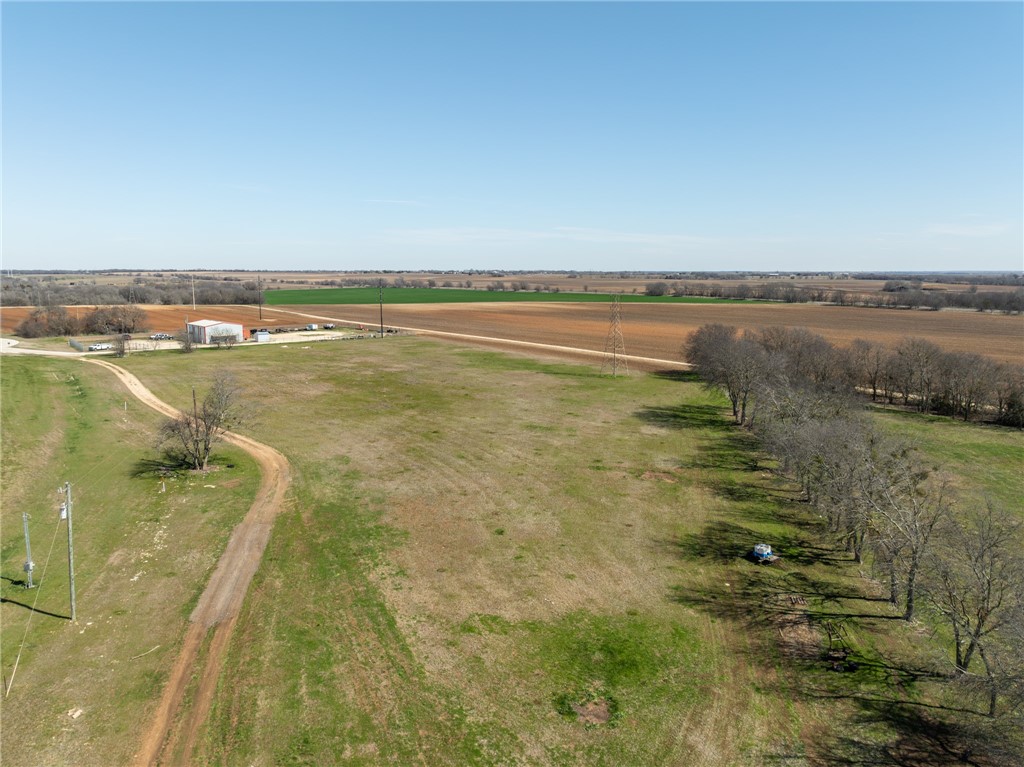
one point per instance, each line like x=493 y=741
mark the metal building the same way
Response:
x=206 y=331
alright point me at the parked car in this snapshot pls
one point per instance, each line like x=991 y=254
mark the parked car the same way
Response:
x=329 y=326
x=100 y=347
x=161 y=337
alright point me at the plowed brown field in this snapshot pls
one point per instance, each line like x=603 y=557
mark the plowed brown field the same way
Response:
x=649 y=330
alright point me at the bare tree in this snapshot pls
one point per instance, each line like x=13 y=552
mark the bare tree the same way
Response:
x=185 y=342
x=868 y=362
x=722 y=359
x=976 y=583
x=225 y=341
x=908 y=501
x=965 y=383
x=191 y=436
x=922 y=361
x=1009 y=394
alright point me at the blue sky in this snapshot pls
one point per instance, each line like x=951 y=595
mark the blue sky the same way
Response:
x=591 y=136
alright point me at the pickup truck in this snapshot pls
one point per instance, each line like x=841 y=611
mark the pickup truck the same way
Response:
x=100 y=347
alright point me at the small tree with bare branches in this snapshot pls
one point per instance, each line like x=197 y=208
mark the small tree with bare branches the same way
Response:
x=191 y=436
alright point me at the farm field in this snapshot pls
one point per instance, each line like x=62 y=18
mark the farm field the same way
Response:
x=607 y=282
x=479 y=542
x=649 y=330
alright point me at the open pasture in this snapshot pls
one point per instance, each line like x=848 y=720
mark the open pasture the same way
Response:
x=486 y=559
x=494 y=560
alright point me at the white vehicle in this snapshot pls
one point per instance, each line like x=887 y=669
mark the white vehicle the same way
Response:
x=100 y=347
x=311 y=326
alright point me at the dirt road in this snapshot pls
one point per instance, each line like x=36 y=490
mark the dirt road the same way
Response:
x=170 y=738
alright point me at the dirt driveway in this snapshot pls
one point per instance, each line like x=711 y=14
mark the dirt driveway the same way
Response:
x=170 y=737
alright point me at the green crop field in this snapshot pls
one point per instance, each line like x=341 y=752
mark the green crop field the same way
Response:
x=342 y=296
x=490 y=560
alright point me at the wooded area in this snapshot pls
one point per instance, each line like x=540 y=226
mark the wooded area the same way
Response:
x=890 y=507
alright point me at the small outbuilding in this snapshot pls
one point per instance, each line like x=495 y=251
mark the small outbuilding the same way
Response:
x=260 y=336
x=205 y=331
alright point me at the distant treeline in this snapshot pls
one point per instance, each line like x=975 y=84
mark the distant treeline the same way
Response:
x=899 y=292
x=49 y=321
x=896 y=294
x=155 y=289
x=754 y=365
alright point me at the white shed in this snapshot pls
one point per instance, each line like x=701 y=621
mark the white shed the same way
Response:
x=205 y=331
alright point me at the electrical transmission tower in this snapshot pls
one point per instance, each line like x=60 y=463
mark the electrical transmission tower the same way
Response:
x=615 y=347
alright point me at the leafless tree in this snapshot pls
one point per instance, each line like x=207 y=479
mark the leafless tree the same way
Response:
x=908 y=501
x=1009 y=395
x=965 y=383
x=976 y=583
x=120 y=344
x=192 y=435
x=867 y=360
x=185 y=342
x=724 y=359
x=921 y=358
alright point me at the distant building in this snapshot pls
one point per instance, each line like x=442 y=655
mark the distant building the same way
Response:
x=205 y=331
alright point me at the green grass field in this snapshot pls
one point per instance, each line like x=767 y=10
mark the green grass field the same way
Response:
x=492 y=560
x=984 y=460
x=341 y=296
x=142 y=557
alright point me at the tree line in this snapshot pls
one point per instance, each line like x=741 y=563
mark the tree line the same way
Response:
x=894 y=295
x=176 y=290
x=882 y=500
x=47 y=321
x=915 y=373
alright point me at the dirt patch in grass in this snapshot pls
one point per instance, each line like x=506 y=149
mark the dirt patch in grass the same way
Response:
x=593 y=711
x=799 y=639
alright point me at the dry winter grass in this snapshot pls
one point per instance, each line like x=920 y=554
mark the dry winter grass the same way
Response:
x=479 y=546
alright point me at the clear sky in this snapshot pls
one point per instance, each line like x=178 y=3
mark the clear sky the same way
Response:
x=590 y=136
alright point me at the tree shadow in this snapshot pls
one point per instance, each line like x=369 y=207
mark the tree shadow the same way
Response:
x=685 y=417
x=720 y=541
x=680 y=376
x=159 y=468
x=922 y=739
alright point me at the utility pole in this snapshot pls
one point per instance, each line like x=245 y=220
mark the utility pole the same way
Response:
x=65 y=509
x=29 y=564
x=193 y=292
x=259 y=292
x=380 y=299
